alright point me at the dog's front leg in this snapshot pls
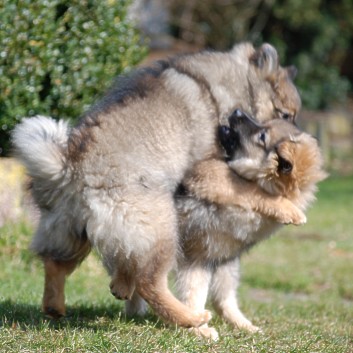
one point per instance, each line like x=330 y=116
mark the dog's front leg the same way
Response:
x=192 y=287
x=223 y=292
x=280 y=208
x=212 y=180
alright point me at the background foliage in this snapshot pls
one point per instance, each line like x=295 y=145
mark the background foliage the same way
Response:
x=315 y=35
x=56 y=56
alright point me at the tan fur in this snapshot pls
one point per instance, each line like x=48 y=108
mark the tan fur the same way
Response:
x=55 y=273
x=212 y=180
x=286 y=100
x=110 y=180
x=231 y=206
x=54 y=296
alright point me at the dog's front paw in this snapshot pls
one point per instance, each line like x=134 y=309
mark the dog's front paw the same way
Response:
x=291 y=215
x=298 y=218
x=204 y=317
x=205 y=331
x=249 y=327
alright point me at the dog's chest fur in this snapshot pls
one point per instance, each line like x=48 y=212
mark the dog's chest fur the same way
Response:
x=217 y=234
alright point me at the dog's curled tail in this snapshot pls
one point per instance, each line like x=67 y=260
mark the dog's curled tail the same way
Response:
x=40 y=143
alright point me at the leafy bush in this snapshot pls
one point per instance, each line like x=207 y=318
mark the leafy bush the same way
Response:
x=57 y=56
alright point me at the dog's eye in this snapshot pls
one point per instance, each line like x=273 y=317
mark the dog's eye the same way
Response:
x=262 y=137
x=286 y=116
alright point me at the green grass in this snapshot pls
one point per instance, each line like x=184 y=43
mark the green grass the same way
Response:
x=297 y=286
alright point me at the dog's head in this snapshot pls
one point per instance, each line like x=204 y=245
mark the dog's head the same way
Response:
x=278 y=156
x=280 y=99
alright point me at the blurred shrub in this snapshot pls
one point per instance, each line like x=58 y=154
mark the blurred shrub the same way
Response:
x=315 y=36
x=312 y=34
x=57 y=56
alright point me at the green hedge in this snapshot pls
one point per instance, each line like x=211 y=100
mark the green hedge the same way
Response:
x=57 y=56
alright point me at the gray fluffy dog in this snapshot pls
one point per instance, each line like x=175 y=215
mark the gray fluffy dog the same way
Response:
x=109 y=182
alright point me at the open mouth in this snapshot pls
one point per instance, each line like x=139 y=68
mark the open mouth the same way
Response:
x=229 y=139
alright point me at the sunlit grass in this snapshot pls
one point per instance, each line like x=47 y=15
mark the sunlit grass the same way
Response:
x=297 y=287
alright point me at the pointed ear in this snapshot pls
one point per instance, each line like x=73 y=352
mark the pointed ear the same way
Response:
x=292 y=72
x=266 y=59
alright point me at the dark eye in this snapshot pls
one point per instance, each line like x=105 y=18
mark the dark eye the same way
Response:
x=286 y=116
x=262 y=136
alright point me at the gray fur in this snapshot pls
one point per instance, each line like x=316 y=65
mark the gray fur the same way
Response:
x=109 y=181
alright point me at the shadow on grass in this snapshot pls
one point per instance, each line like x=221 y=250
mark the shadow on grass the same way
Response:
x=97 y=317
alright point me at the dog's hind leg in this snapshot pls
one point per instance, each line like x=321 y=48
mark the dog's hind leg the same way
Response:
x=60 y=254
x=140 y=234
x=223 y=292
x=55 y=272
x=152 y=285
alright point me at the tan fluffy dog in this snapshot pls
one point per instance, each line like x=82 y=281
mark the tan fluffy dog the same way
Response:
x=269 y=179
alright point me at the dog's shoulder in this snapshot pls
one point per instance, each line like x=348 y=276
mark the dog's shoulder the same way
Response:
x=136 y=84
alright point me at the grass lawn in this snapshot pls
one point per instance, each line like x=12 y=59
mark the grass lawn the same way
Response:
x=297 y=286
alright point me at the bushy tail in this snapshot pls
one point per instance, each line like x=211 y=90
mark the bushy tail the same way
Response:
x=40 y=143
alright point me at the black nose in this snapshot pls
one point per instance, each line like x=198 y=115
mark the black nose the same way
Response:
x=224 y=130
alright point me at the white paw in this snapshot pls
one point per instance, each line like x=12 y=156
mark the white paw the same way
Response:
x=249 y=327
x=205 y=331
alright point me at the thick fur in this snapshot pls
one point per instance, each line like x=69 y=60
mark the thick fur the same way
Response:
x=269 y=180
x=109 y=182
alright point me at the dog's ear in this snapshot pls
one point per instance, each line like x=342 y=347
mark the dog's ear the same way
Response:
x=266 y=60
x=292 y=72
